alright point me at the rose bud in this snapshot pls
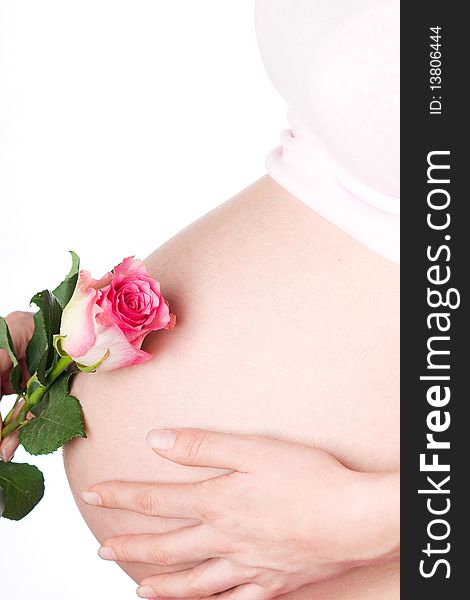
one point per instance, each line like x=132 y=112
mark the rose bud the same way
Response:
x=106 y=320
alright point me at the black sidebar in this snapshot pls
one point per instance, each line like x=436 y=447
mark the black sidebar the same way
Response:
x=435 y=257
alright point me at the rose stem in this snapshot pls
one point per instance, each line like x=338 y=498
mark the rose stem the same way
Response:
x=37 y=395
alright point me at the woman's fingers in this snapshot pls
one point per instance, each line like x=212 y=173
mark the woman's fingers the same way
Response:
x=186 y=545
x=198 y=448
x=211 y=577
x=178 y=500
x=8 y=446
x=248 y=591
x=21 y=327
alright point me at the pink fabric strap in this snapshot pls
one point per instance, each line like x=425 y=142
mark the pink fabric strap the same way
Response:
x=305 y=167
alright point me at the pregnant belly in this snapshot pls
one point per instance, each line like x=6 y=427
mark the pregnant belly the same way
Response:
x=281 y=334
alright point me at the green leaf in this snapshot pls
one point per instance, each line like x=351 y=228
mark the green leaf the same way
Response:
x=64 y=291
x=23 y=488
x=6 y=343
x=40 y=353
x=60 y=420
x=37 y=345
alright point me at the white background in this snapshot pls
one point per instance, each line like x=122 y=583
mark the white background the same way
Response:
x=120 y=123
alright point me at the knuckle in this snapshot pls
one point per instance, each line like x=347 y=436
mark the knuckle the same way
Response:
x=194 y=444
x=159 y=589
x=195 y=588
x=21 y=320
x=198 y=591
x=147 y=503
x=227 y=546
x=209 y=514
x=110 y=496
x=160 y=556
x=18 y=316
x=160 y=585
x=122 y=550
x=280 y=588
x=252 y=574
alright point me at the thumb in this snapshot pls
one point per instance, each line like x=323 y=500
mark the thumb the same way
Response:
x=21 y=326
x=8 y=446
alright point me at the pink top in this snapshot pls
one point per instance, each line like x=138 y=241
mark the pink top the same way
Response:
x=337 y=66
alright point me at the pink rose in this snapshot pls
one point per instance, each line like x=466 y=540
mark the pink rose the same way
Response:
x=110 y=317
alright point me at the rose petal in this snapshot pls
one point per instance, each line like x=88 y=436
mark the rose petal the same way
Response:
x=172 y=322
x=121 y=352
x=78 y=321
x=130 y=266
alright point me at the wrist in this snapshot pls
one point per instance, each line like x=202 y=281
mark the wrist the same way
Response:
x=375 y=516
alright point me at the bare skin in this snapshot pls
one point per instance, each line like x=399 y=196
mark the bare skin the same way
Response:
x=286 y=327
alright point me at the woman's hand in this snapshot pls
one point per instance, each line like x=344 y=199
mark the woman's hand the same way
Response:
x=21 y=326
x=287 y=515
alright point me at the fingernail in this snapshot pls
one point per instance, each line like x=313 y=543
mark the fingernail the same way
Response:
x=145 y=592
x=92 y=498
x=162 y=439
x=107 y=553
